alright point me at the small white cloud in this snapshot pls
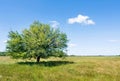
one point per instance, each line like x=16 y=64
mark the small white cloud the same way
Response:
x=54 y=24
x=113 y=40
x=81 y=19
x=5 y=41
x=71 y=45
x=90 y=22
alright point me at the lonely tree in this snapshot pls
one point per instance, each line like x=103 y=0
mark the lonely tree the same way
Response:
x=39 y=41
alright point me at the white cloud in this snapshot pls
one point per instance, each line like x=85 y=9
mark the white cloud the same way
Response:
x=99 y=51
x=5 y=41
x=71 y=45
x=113 y=40
x=54 y=24
x=81 y=19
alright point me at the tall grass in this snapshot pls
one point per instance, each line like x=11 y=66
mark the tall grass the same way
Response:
x=56 y=69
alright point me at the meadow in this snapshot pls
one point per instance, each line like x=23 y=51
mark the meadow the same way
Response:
x=59 y=69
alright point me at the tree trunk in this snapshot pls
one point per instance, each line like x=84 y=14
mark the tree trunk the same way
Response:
x=38 y=59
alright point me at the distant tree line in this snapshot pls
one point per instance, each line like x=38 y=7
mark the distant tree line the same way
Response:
x=2 y=53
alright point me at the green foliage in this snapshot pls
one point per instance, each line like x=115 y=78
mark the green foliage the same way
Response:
x=2 y=53
x=40 y=40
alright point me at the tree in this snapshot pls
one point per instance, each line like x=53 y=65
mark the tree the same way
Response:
x=39 y=41
x=2 y=53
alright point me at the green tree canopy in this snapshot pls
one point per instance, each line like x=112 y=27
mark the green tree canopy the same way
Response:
x=39 y=41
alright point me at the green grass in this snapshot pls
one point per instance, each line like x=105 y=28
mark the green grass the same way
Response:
x=56 y=69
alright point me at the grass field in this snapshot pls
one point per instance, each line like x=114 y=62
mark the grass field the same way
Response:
x=56 y=69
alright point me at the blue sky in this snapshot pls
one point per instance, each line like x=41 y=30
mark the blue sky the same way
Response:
x=92 y=26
